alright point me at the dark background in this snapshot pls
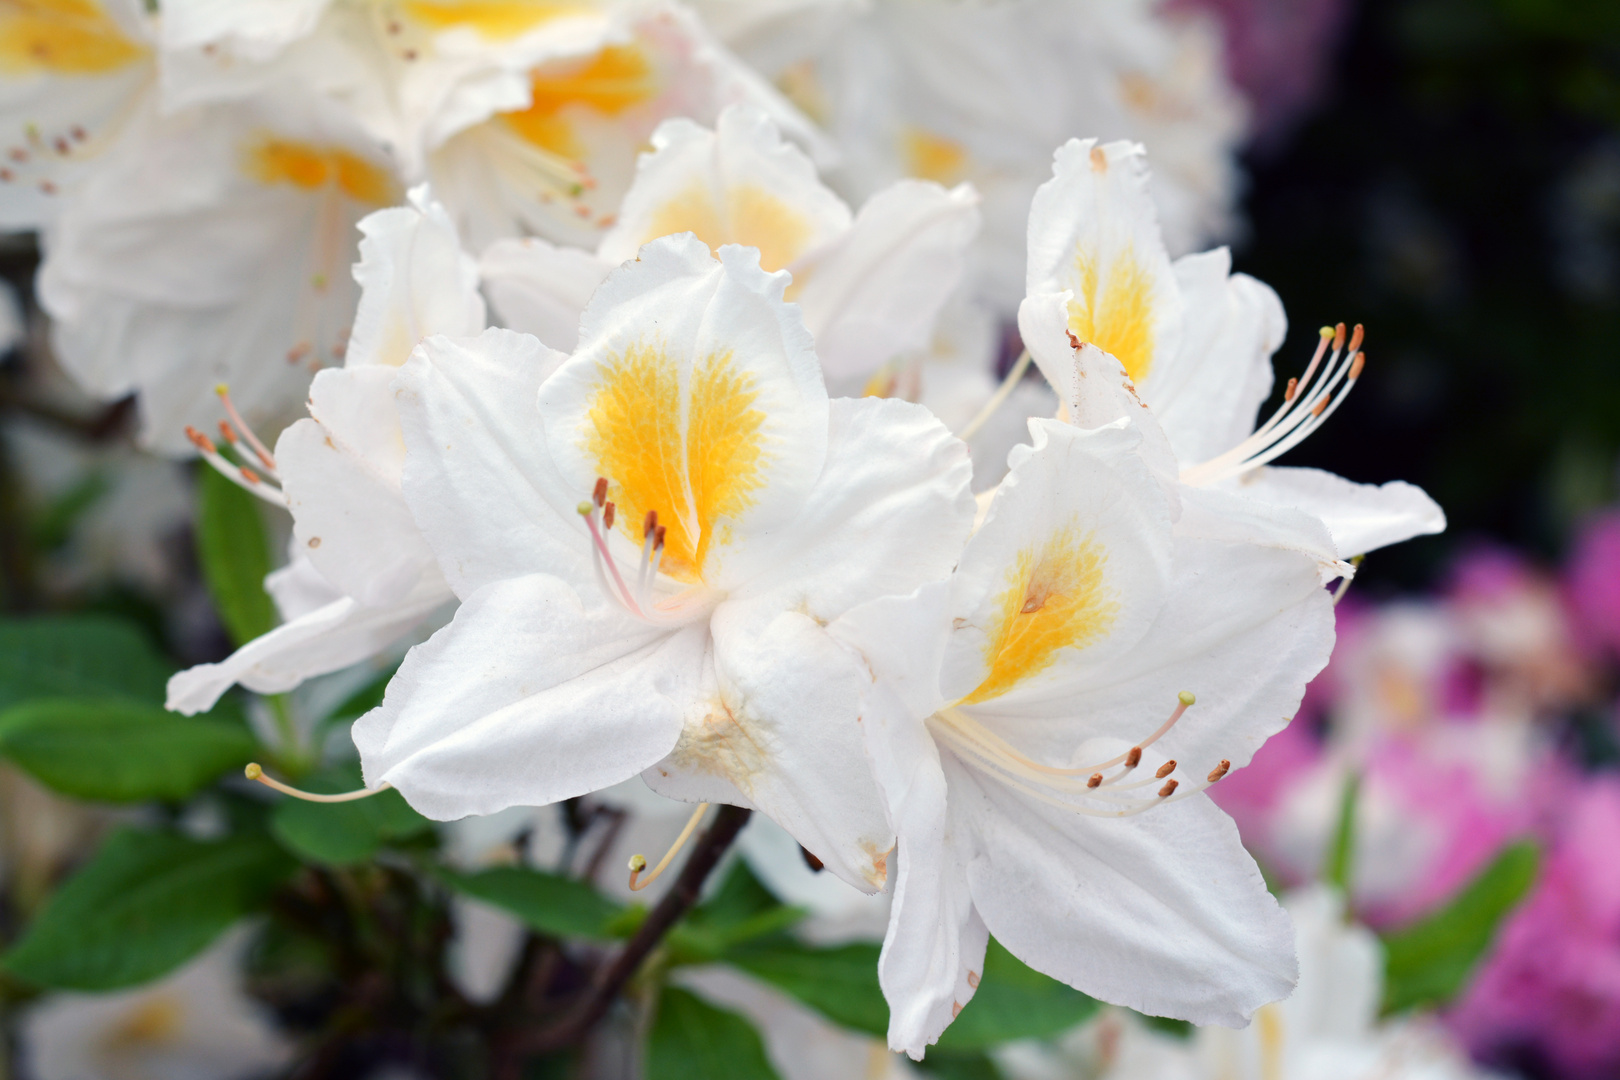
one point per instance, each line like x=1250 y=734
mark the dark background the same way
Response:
x=1456 y=187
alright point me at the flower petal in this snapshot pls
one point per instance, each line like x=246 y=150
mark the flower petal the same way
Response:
x=1361 y=517
x=541 y=289
x=527 y=697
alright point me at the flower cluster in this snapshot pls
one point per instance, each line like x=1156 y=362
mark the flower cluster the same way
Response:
x=657 y=428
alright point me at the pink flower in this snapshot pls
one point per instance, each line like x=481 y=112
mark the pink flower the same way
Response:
x=1592 y=583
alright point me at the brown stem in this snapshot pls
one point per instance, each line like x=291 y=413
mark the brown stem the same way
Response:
x=612 y=976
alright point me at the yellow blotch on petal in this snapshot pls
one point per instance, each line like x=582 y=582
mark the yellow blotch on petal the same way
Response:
x=933 y=157
x=1055 y=597
x=304 y=165
x=62 y=37
x=1115 y=312
x=492 y=19
x=153 y=1022
x=751 y=216
x=607 y=82
x=694 y=477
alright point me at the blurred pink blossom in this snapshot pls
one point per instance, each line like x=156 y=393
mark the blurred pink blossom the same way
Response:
x=1592 y=583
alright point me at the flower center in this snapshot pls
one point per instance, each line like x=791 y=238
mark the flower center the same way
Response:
x=1110 y=788
x=637 y=591
x=1306 y=406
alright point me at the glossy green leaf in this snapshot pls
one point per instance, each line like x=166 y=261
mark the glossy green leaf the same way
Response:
x=144 y=904
x=693 y=1040
x=78 y=656
x=235 y=556
x=740 y=910
x=1014 y=1001
x=840 y=982
x=558 y=906
x=338 y=834
x=1428 y=962
x=119 y=751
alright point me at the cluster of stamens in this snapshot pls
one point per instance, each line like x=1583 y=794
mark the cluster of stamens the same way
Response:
x=1308 y=401
x=638 y=600
x=250 y=465
x=1113 y=783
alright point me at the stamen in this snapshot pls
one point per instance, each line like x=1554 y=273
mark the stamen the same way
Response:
x=607 y=516
x=241 y=476
x=1096 y=779
x=638 y=863
x=1165 y=770
x=997 y=399
x=1220 y=770
x=599 y=493
x=1133 y=758
x=259 y=448
x=1168 y=790
x=255 y=772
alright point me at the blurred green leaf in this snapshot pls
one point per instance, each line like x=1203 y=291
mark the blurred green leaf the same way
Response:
x=341 y=833
x=693 y=1040
x=740 y=910
x=363 y=700
x=1014 y=1001
x=78 y=656
x=235 y=556
x=840 y=982
x=1341 y=856
x=54 y=524
x=958 y=1065
x=119 y=751
x=558 y=906
x=1429 y=961
x=144 y=904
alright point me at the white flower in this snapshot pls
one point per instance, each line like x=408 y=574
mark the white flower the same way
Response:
x=1195 y=341
x=558 y=164
x=1018 y=729
x=195 y=1024
x=870 y=285
x=362 y=575
x=981 y=91
x=214 y=246
x=75 y=74
x=694 y=653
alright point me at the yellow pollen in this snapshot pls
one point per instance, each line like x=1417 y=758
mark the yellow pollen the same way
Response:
x=606 y=83
x=153 y=1022
x=273 y=160
x=748 y=214
x=63 y=37
x=693 y=479
x=933 y=157
x=492 y=19
x=1054 y=598
x=1115 y=314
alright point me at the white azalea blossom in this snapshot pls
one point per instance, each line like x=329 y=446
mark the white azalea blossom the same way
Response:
x=74 y=77
x=1018 y=728
x=682 y=634
x=870 y=285
x=214 y=247
x=1195 y=342
x=362 y=576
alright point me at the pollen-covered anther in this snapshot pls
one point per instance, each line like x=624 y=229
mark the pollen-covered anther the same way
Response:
x=1169 y=788
x=599 y=492
x=649 y=524
x=200 y=441
x=1220 y=770
x=1095 y=780
x=1133 y=757
x=607 y=516
x=1165 y=770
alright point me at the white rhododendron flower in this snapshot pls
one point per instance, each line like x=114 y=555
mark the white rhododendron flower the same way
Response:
x=213 y=247
x=648 y=561
x=1195 y=340
x=981 y=91
x=870 y=285
x=74 y=77
x=1018 y=728
x=361 y=576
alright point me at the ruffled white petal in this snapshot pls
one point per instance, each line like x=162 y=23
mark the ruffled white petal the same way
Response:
x=1361 y=517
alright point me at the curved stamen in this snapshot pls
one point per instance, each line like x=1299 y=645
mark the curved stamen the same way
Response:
x=638 y=863
x=240 y=475
x=997 y=399
x=255 y=772
x=266 y=458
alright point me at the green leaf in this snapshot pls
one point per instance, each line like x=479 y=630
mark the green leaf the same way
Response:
x=56 y=520
x=1014 y=1001
x=79 y=656
x=235 y=556
x=144 y=904
x=363 y=700
x=740 y=910
x=558 y=906
x=341 y=833
x=1341 y=856
x=119 y=751
x=841 y=982
x=693 y=1040
x=947 y=1065
x=1429 y=961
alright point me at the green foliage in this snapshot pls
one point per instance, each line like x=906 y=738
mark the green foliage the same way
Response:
x=84 y=656
x=338 y=834
x=740 y=910
x=1342 y=854
x=235 y=556
x=948 y=1065
x=841 y=982
x=53 y=526
x=144 y=904
x=1014 y=1001
x=119 y=751
x=558 y=906
x=693 y=1040
x=1428 y=962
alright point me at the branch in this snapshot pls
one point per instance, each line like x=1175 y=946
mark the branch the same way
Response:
x=612 y=976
